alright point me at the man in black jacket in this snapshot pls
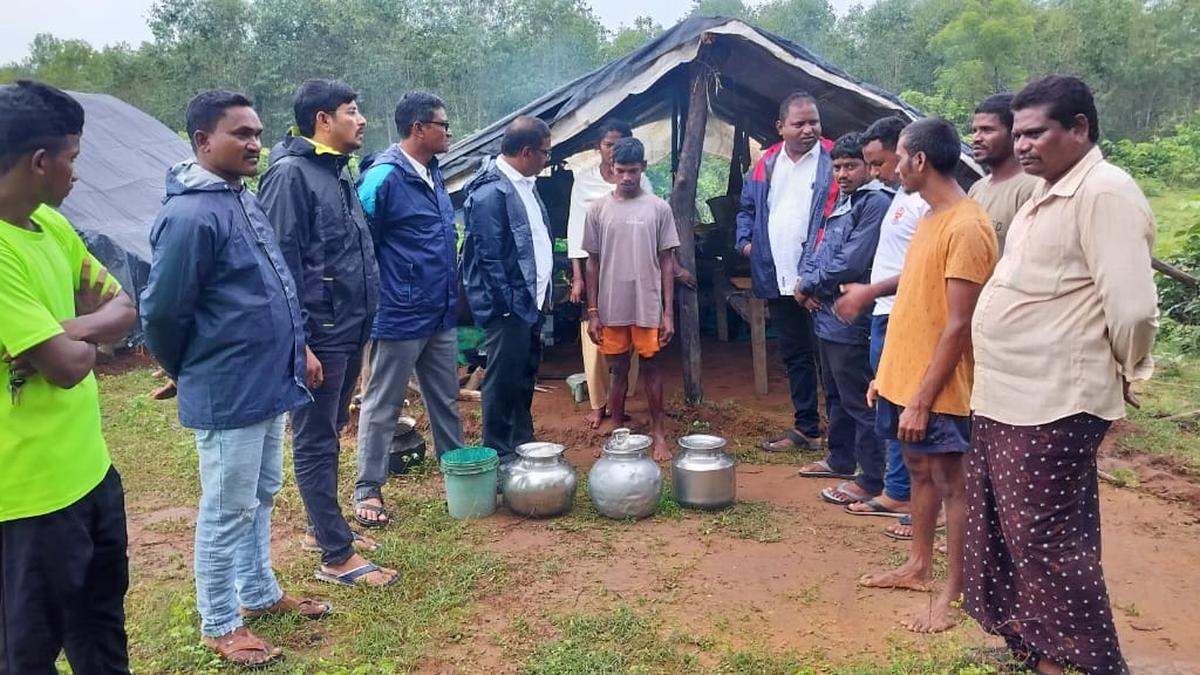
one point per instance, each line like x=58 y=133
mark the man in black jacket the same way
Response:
x=314 y=208
x=507 y=263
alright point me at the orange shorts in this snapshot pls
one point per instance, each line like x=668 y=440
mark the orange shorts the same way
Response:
x=618 y=340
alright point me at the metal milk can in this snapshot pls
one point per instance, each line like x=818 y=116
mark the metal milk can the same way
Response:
x=625 y=482
x=703 y=474
x=540 y=483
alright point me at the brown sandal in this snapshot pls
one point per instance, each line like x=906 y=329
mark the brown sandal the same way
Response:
x=243 y=648
x=305 y=607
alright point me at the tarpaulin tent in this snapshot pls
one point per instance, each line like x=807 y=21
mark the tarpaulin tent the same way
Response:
x=705 y=73
x=753 y=70
x=122 y=165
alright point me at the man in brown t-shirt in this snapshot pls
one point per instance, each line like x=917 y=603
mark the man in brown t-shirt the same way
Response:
x=924 y=377
x=629 y=236
x=1003 y=191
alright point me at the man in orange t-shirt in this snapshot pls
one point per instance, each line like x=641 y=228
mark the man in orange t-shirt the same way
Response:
x=924 y=378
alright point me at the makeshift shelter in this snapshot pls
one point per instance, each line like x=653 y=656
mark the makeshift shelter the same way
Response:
x=122 y=166
x=708 y=85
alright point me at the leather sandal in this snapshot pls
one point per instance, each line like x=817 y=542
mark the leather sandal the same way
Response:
x=243 y=648
x=305 y=607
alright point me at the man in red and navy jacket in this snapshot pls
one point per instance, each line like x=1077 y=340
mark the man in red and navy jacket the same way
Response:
x=785 y=199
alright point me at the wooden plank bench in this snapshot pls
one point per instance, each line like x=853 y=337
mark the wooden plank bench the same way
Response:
x=736 y=293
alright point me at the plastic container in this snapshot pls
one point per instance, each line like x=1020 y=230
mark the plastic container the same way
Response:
x=578 y=385
x=470 y=475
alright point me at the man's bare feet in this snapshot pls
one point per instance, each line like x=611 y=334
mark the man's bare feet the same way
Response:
x=380 y=577
x=906 y=577
x=938 y=619
x=662 y=451
x=596 y=417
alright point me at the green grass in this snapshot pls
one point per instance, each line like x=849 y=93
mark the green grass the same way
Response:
x=1175 y=209
x=1162 y=427
x=373 y=631
x=756 y=521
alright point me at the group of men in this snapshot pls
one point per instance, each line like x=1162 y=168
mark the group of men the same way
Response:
x=995 y=333
x=875 y=262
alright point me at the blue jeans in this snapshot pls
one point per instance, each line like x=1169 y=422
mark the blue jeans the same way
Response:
x=241 y=470
x=896 y=483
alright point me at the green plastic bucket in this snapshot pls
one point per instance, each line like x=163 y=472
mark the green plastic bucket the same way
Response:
x=470 y=475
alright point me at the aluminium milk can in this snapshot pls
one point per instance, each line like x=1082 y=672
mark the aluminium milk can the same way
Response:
x=703 y=474
x=625 y=482
x=540 y=483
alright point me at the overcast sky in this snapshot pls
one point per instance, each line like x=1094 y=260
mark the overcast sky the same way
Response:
x=103 y=22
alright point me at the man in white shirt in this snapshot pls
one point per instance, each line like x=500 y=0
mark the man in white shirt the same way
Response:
x=507 y=265
x=895 y=233
x=784 y=201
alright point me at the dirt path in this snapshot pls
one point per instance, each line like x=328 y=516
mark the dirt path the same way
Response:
x=799 y=592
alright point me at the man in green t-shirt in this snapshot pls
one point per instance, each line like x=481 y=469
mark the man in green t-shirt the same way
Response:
x=63 y=564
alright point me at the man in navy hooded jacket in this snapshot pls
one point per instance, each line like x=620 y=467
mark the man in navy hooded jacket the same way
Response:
x=416 y=329
x=784 y=200
x=843 y=255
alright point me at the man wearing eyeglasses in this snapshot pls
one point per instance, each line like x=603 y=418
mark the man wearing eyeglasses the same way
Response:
x=412 y=219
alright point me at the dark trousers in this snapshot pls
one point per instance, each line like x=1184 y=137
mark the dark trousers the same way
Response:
x=794 y=326
x=514 y=350
x=315 y=431
x=845 y=374
x=63 y=577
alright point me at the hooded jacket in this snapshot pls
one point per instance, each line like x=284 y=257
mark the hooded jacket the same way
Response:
x=416 y=244
x=220 y=310
x=843 y=255
x=312 y=204
x=754 y=215
x=499 y=272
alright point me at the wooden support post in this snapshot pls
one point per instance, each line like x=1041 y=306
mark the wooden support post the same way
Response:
x=758 y=343
x=721 y=290
x=683 y=205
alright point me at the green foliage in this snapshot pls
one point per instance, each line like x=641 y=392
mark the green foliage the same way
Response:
x=1173 y=160
x=954 y=111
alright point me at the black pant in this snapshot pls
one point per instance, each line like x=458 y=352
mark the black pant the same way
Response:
x=845 y=375
x=514 y=350
x=797 y=346
x=315 y=431
x=63 y=577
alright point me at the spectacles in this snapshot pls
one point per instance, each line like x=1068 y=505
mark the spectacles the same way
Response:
x=443 y=125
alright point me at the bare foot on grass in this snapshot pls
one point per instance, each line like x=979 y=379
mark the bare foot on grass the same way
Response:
x=662 y=451
x=906 y=577
x=938 y=619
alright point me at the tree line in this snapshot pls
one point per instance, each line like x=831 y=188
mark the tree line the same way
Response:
x=488 y=58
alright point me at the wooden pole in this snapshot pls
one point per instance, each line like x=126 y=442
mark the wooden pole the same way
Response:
x=683 y=205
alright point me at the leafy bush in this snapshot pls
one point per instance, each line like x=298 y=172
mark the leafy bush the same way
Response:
x=1173 y=160
x=1181 y=303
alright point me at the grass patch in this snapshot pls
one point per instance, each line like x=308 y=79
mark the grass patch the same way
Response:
x=373 y=631
x=1174 y=211
x=1163 y=426
x=755 y=521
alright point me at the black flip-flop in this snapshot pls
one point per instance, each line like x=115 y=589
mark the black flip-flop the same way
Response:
x=798 y=442
x=876 y=509
x=377 y=509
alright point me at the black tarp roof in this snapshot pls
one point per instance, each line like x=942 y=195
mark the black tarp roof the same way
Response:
x=756 y=70
x=122 y=165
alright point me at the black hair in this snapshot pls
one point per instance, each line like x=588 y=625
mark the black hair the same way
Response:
x=849 y=146
x=208 y=107
x=413 y=107
x=794 y=98
x=886 y=131
x=938 y=139
x=629 y=151
x=35 y=116
x=319 y=96
x=1066 y=97
x=999 y=105
x=524 y=132
x=618 y=126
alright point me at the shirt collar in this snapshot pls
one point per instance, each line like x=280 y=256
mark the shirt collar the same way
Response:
x=413 y=160
x=1071 y=180
x=513 y=175
x=812 y=152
